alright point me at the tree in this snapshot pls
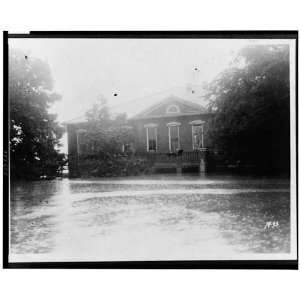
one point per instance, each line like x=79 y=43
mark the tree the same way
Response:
x=106 y=135
x=107 y=141
x=34 y=132
x=250 y=103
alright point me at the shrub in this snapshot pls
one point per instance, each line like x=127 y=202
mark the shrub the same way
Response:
x=119 y=165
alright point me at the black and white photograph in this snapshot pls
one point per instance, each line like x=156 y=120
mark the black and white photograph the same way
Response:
x=151 y=147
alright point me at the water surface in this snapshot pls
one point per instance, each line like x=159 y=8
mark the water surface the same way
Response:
x=149 y=219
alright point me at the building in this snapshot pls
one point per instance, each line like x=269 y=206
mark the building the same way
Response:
x=171 y=133
x=171 y=125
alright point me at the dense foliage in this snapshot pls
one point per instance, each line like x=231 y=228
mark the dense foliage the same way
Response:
x=105 y=135
x=117 y=165
x=108 y=145
x=251 y=106
x=34 y=132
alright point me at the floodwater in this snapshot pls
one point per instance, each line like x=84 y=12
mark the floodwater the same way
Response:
x=154 y=218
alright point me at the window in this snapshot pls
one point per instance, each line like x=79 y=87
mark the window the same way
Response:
x=197 y=131
x=152 y=138
x=174 y=136
x=81 y=141
x=173 y=109
x=151 y=135
x=127 y=148
x=197 y=134
x=127 y=143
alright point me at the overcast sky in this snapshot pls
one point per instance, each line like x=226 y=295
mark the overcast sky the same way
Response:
x=139 y=71
x=132 y=68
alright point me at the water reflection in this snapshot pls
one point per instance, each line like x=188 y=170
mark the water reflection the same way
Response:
x=148 y=219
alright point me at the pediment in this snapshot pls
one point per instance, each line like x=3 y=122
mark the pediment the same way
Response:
x=171 y=106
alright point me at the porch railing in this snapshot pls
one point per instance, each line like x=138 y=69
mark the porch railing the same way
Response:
x=176 y=158
x=191 y=156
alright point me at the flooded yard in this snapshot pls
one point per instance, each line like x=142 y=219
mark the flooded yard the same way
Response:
x=176 y=218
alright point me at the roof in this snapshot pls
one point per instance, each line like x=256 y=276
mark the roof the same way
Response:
x=160 y=108
x=78 y=120
x=187 y=107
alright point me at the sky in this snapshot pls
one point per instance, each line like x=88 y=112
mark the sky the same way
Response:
x=130 y=73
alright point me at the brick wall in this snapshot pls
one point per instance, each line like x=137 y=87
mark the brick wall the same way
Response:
x=185 y=132
x=140 y=143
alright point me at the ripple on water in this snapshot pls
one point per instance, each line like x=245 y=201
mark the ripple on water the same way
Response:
x=175 y=219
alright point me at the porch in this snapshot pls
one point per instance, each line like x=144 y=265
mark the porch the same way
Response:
x=179 y=160
x=83 y=163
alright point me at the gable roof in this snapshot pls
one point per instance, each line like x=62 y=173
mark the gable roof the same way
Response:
x=160 y=108
x=78 y=120
x=187 y=107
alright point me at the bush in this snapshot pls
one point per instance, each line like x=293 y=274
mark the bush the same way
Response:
x=92 y=166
